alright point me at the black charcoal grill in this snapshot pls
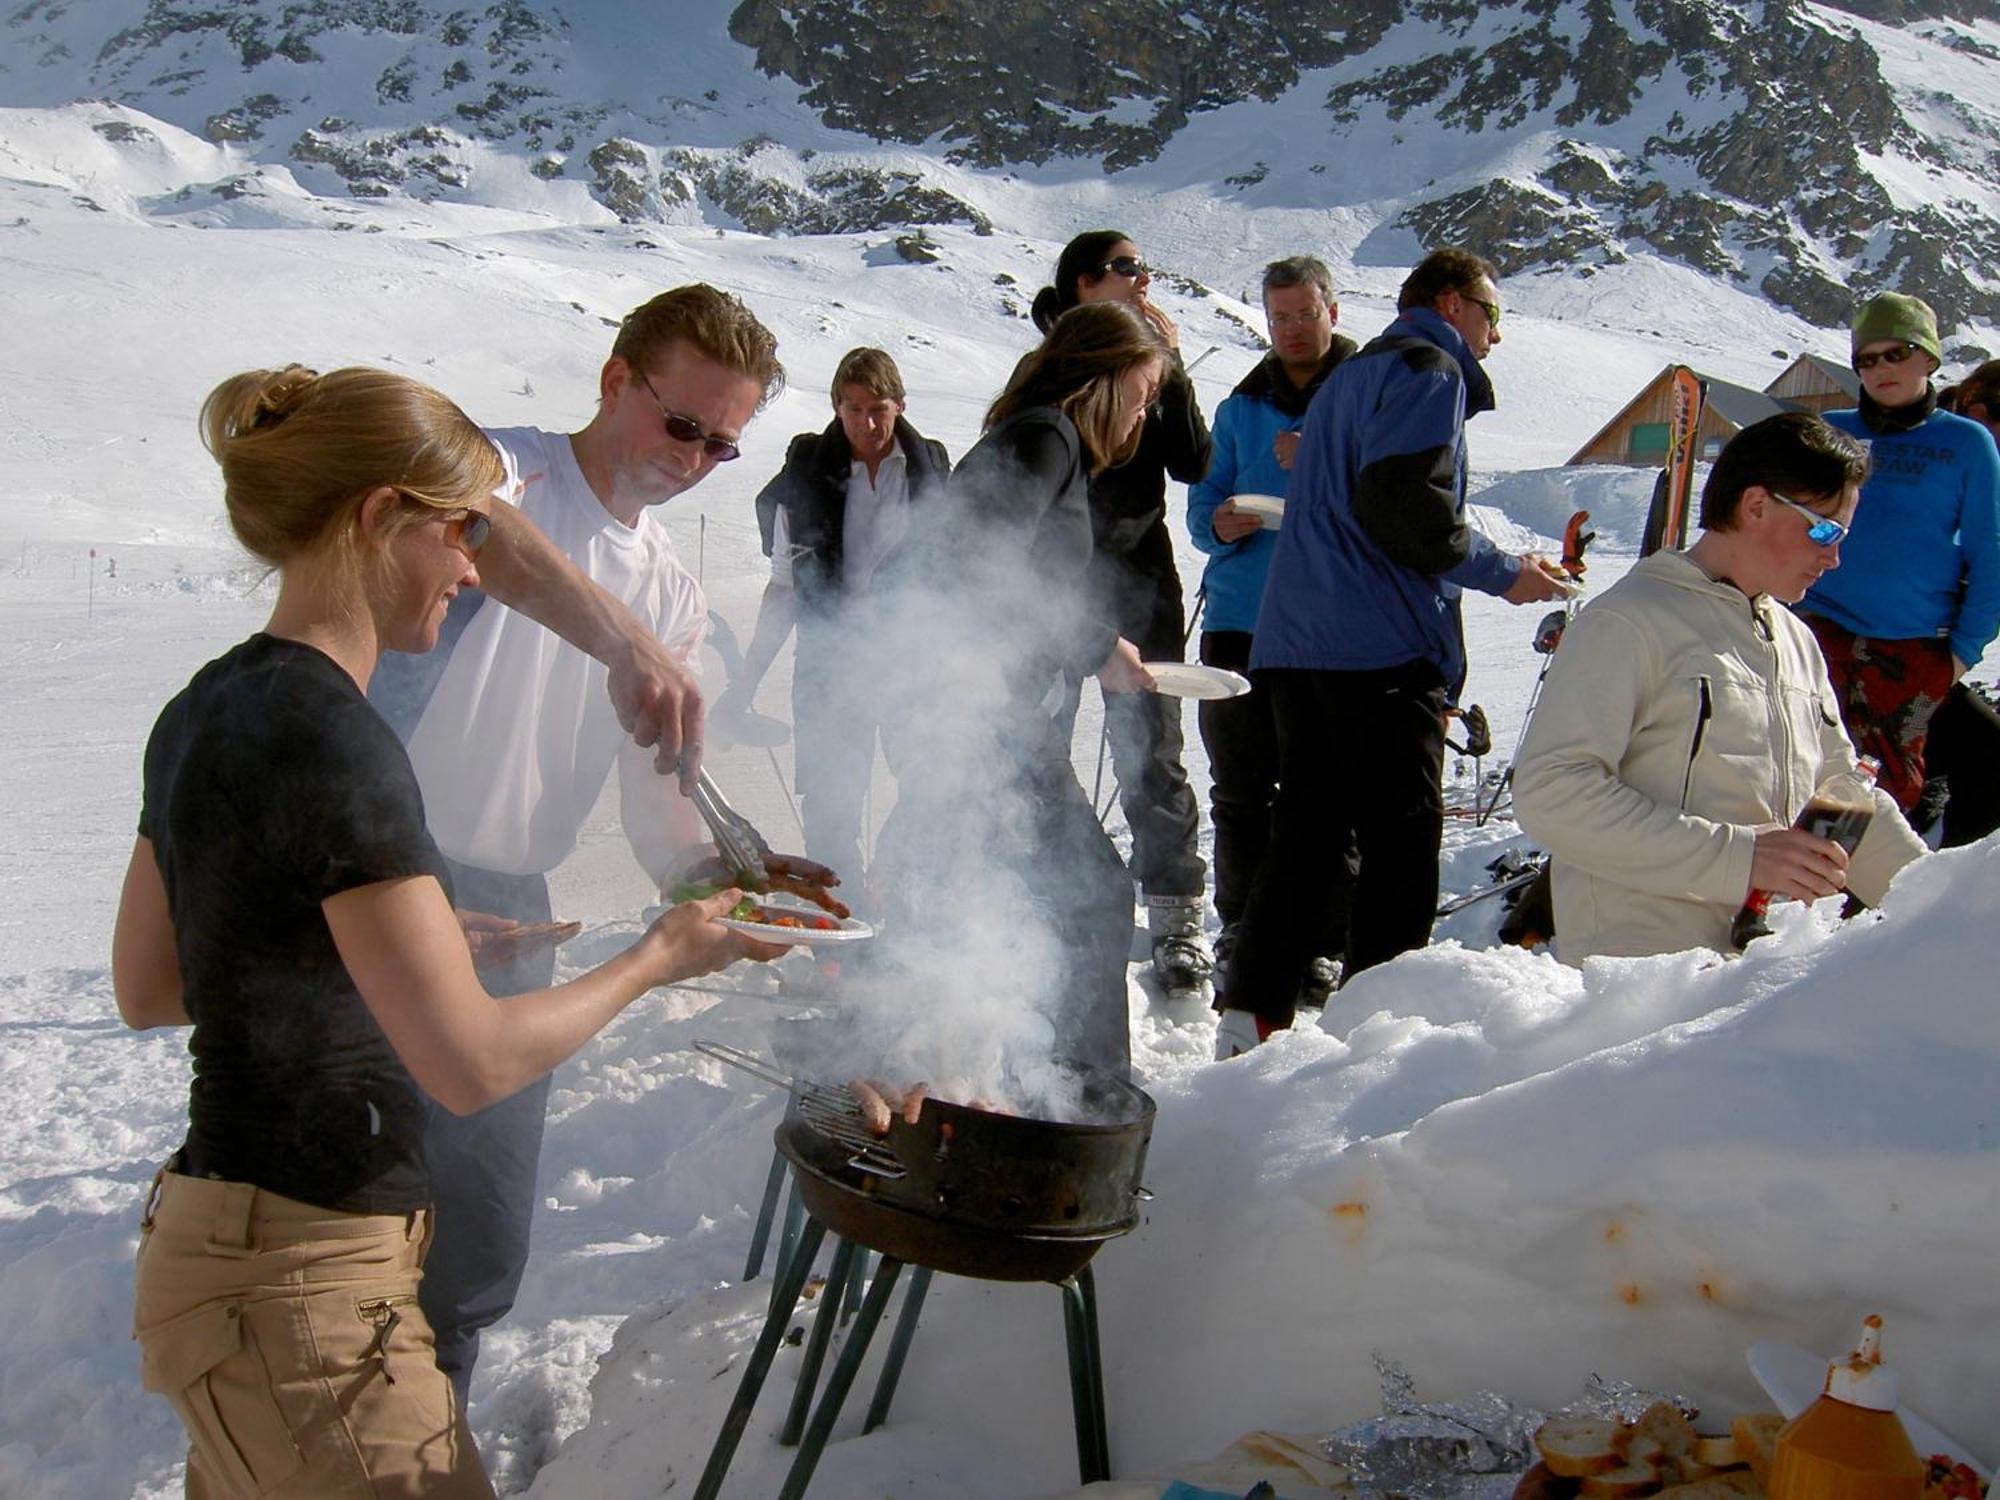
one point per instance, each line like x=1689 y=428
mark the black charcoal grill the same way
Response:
x=965 y=1191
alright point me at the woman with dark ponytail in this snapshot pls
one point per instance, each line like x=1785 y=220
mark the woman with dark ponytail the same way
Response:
x=1138 y=588
x=284 y=898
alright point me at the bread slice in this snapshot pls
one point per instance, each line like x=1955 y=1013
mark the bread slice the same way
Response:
x=1716 y=1452
x=1627 y=1482
x=1575 y=1446
x=1663 y=1423
x=1756 y=1436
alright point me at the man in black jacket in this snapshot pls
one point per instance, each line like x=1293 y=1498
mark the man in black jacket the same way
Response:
x=838 y=507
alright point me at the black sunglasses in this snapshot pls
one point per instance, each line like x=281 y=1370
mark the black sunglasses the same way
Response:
x=1876 y=357
x=1491 y=309
x=1129 y=266
x=687 y=430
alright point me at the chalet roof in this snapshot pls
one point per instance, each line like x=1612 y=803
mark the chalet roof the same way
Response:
x=1838 y=373
x=1739 y=404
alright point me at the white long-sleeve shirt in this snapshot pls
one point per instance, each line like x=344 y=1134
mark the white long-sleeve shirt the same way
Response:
x=514 y=745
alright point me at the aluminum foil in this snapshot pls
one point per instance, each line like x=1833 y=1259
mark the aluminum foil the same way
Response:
x=1474 y=1449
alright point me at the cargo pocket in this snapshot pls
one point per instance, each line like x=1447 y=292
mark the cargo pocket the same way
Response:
x=208 y=1366
x=398 y=1357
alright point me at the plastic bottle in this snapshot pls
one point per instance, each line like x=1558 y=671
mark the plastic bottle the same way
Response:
x=1841 y=808
x=1849 y=1444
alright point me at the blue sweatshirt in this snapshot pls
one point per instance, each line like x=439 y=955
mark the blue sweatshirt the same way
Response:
x=1376 y=548
x=1923 y=559
x=1246 y=463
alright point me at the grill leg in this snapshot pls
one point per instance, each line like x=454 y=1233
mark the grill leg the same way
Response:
x=1086 y=1377
x=760 y=1237
x=788 y=1237
x=899 y=1348
x=837 y=1278
x=841 y=1380
x=785 y=1291
x=852 y=1302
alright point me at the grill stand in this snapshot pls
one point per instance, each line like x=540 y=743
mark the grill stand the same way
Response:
x=1086 y=1374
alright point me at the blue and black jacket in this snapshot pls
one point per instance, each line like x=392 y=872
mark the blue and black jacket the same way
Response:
x=1376 y=548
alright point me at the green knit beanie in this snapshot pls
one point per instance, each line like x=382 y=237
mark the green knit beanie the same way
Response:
x=1891 y=315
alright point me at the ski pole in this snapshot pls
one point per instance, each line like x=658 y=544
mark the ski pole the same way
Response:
x=790 y=801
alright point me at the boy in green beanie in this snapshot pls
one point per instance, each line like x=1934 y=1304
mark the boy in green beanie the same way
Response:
x=1916 y=598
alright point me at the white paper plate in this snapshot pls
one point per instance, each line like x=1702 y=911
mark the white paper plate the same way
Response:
x=1186 y=679
x=1268 y=508
x=844 y=930
x=1793 y=1378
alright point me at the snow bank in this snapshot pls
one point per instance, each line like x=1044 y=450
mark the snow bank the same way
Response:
x=1505 y=1173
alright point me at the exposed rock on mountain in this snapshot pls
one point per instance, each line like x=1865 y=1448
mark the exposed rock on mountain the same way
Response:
x=1755 y=140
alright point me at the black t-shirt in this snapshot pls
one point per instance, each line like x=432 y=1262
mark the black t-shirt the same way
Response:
x=271 y=784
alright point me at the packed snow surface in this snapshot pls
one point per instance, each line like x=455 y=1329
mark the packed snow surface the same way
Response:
x=1496 y=1169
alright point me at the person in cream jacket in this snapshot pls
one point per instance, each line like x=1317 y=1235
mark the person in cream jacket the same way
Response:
x=1687 y=718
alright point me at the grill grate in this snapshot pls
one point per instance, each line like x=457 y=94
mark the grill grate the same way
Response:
x=836 y=1114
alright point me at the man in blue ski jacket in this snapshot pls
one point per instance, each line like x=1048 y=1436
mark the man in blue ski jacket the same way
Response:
x=1256 y=441
x=1359 y=643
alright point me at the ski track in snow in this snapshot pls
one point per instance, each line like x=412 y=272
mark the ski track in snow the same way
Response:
x=1489 y=1166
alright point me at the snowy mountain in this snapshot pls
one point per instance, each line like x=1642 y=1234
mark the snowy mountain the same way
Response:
x=1794 y=150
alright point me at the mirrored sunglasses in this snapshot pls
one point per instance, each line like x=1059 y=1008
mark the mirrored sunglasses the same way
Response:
x=1129 y=266
x=1822 y=531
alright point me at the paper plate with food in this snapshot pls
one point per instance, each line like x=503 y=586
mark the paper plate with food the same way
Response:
x=788 y=920
x=1186 y=679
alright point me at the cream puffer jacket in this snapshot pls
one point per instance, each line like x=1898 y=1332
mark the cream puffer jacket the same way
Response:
x=1678 y=720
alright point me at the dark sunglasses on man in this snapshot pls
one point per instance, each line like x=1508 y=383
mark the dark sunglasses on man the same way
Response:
x=1874 y=357
x=687 y=430
x=1128 y=266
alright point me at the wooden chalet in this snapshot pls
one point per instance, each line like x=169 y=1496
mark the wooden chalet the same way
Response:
x=1638 y=434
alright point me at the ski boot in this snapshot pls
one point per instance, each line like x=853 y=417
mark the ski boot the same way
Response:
x=1181 y=961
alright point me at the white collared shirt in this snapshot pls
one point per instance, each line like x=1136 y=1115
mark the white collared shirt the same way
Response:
x=876 y=520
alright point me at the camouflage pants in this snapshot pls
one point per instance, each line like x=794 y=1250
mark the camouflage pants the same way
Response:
x=1888 y=691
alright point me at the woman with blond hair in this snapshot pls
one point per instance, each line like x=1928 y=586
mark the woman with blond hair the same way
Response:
x=284 y=897
x=990 y=594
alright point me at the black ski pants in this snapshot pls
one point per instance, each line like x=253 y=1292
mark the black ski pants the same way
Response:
x=1141 y=595
x=1360 y=758
x=1241 y=737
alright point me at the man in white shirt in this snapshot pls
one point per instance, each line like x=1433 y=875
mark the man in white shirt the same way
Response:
x=840 y=505
x=512 y=732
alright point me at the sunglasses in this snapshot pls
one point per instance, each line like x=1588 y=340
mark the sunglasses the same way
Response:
x=1821 y=531
x=1876 y=357
x=687 y=430
x=468 y=530
x=1128 y=266
x=1491 y=309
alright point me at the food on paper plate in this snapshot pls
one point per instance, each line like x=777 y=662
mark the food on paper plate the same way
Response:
x=793 y=874
x=1945 y=1479
x=1659 y=1454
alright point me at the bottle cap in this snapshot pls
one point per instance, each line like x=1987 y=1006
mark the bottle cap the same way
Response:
x=1862 y=1379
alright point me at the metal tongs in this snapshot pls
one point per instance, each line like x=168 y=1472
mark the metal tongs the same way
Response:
x=742 y=847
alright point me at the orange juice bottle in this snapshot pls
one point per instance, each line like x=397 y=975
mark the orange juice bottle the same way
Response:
x=1849 y=1444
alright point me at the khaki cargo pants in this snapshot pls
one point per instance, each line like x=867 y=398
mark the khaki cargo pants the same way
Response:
x=289 y=1340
